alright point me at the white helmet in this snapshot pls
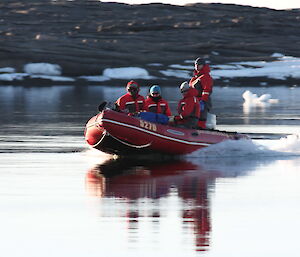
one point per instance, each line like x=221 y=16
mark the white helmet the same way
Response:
x=184 y=87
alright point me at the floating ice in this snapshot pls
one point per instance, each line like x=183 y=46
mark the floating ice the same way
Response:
x=95 y=78
x=7 y=70
x=184 y=74
x=43 y=69
x=126 y=73
x=277 y=55
x=53 y=78
x=155 y=64
x=253 y=99
x=283 y=68
x=12 y=76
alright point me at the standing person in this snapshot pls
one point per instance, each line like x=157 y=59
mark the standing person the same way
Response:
x=155 y=103
x=132 y=102
x=203 y=82
x=188 y=107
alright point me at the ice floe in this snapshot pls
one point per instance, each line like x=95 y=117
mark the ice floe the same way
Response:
x=253 y=99
x=127 y=73
x=7 y=70
x=282 y=68
x=43 y=69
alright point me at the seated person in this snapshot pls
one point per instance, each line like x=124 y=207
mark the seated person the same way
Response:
x=155 y=103
x=188 y=108
x=132 y=102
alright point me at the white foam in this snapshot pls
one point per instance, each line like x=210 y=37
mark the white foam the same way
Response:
x=289 y=144
x=43 y=69
x=283 y=147
x=231 y=148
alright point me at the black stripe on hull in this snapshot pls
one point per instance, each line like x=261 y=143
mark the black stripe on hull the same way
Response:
x=109 y=144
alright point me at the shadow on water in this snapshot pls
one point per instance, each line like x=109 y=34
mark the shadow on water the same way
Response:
x=192 y=181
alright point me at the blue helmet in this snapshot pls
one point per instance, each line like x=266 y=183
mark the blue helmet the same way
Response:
x=155 y=89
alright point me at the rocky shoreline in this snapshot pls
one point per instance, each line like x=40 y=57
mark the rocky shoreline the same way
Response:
x=85 y=37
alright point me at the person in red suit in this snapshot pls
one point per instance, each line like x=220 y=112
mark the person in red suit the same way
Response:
x=132 y=102
x=155 y=103
x=188 y=107
x=203 y=83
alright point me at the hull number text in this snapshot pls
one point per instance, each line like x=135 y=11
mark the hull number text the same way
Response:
x=148 y=125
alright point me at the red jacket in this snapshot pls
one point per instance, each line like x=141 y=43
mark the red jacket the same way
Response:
x=161 y=106
x=128 y=102
x=203 y=82
x=189 y=105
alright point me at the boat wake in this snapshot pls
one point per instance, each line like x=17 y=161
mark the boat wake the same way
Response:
x=284 y=147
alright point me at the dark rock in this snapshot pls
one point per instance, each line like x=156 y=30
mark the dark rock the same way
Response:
x=85 y=37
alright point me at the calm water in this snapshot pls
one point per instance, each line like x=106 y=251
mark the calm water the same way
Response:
x=60 y=198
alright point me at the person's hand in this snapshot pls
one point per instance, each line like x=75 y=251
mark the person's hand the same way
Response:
x=177 y=118
x=132 y=114
x=202 y=105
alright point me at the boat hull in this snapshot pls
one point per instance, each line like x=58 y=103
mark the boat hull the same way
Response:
x=116 y=133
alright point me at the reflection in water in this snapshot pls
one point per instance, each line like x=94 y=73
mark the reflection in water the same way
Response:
x=133 y=180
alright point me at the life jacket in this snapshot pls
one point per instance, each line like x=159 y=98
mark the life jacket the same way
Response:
x=157 y=106
x=130 y=103
x=188 y=106
x=203 y=82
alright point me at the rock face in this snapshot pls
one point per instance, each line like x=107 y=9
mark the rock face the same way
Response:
x=86 y=36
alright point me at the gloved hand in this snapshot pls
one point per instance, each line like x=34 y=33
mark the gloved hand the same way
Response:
x=202 y=105
x=132 y=114
x=177 y=118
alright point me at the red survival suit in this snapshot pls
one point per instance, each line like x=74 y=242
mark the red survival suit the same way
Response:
x=159 y=105
x=133 y=105
x=188 y=109
x=203 y=82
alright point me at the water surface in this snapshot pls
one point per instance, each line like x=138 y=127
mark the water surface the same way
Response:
x=60 y=198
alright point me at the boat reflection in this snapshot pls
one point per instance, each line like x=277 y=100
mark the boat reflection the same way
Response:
x=134 y=180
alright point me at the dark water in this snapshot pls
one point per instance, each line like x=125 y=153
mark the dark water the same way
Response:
x=60 y=198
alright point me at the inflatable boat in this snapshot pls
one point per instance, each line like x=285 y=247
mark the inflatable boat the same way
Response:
x=117 y=133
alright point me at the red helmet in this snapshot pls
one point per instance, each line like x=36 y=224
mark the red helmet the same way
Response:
x=132 y=86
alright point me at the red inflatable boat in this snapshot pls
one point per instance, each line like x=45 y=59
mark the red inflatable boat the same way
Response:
x=117 y=133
